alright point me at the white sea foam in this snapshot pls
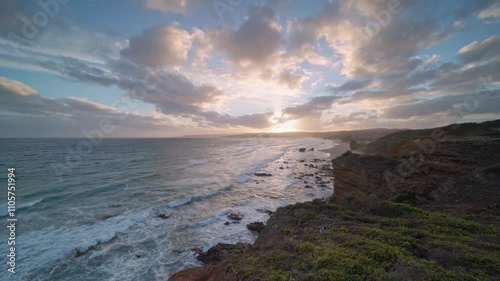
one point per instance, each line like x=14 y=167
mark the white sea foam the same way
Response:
x=218 y=185
x=43 y=249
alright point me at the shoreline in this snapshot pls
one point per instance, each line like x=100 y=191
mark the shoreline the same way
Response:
x=337 y=150
x=408 y=229
x=194 y=273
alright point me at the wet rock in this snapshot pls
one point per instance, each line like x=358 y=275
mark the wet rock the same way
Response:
x=308 y=186
x=140 y=254
x=80 y=253
x=235 y=216
x=302 y=149
x=163 y=216
x=227 y=223
x=221 y=252
x=256 y=226
x=312 y=149
x=281 y=168
x=264 y=211
x=263 y=175
x=197 y=250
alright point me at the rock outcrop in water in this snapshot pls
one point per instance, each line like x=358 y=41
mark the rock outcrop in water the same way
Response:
x=235 y=216
x=257 y=226
x=263 y=174
x=407 y=209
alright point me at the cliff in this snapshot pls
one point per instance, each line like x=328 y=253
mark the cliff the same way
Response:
x=411 y=207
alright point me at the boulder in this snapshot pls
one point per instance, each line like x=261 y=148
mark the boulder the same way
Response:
x=264 y=211
x=235 y=216
x=263 y=175
x=302 y=149
x=197 y=250
x=256 y=226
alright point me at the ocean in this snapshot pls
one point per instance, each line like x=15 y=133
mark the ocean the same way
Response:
x=92 y=212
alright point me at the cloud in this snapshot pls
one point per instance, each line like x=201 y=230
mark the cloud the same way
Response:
x=25 y=113
x=479 y=51
x=255 y=120
x=201 y=47
x=80 y=71
x=20 y=98
x=352 y=85
x=492 y=11
x=472 y=103
x=88 y=107
x=381 y=60
x=462 y=78
x=163 y=46
x=175 y=6
x=357 y=119
x=368 y=44
x=255 y=42
x=12 y=87
x=290 y=80
x=171 y=92
x=313 y=107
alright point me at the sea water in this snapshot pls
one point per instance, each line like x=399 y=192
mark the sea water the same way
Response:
x=91 y=213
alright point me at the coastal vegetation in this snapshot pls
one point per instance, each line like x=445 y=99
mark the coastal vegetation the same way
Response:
x=387 y=241
x=432 y=219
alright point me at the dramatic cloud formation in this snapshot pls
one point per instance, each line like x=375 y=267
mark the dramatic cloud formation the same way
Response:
x=171 y=67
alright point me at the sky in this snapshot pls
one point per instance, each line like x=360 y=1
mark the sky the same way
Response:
x=166 y=68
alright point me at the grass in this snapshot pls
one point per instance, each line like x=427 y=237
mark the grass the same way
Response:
x=392 y=241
